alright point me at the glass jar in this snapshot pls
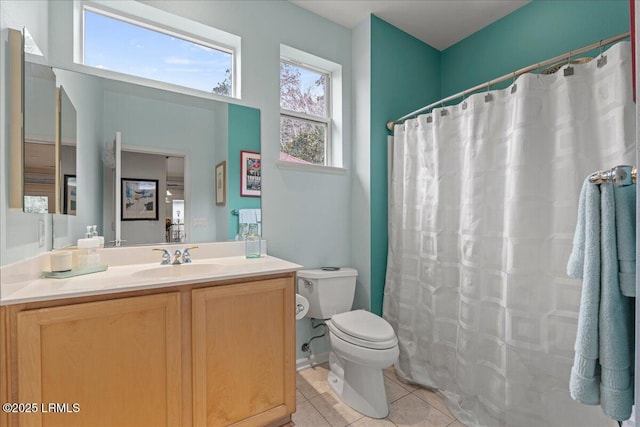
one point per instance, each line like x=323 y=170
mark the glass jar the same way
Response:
x=252 y=242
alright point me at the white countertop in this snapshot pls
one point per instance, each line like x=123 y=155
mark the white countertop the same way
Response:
x=133 y=277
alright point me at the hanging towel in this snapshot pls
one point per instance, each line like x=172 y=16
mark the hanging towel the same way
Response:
x=626 y=238
x=247 y=216
x=616 y=321
x=584 y=263
x=602 y=372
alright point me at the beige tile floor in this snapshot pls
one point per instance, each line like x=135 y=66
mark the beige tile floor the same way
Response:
x=409 y=405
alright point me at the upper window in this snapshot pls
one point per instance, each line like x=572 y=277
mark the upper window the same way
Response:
x=124 y=45
x=305 y=114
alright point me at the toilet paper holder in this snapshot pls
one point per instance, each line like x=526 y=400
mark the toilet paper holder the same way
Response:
x=302 y=306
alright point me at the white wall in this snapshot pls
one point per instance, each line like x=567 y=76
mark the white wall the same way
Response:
x=361 y=182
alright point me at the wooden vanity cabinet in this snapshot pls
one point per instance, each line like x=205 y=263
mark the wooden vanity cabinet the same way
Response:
x=210 y=354
x=243 y=353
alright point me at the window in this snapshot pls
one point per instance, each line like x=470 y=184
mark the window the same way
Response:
x=126 y=45
x=305 y=114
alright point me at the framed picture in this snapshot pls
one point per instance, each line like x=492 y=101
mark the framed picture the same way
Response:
x=139 y=199
x=250 y=174
x=69 y=202
x=221 y=183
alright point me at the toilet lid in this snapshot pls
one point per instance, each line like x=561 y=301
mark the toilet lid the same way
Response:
x=364 y=325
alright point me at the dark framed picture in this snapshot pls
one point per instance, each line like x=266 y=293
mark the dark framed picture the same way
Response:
x=69 y=202
x=139 y=199
x=250 y=174
x=221 y=183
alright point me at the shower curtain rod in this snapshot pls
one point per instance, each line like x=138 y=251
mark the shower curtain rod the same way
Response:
x=512 y=75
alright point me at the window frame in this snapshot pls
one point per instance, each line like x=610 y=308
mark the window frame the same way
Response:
x=312 y=118
x=161 y=22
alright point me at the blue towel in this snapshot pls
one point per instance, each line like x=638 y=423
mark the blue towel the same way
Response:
x=616 y=321
x=603 y=364
x=626 y=238
x=584 y=263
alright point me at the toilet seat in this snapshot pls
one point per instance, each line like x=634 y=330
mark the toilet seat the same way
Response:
x=363 y=329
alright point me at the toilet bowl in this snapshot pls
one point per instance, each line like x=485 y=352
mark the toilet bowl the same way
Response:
x=361 y=344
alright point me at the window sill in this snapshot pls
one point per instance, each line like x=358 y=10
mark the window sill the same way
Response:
x=305 y=167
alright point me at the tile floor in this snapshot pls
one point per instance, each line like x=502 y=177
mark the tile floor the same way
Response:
x=409 y=405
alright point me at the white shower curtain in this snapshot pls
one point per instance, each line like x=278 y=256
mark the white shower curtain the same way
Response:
x=483 y=203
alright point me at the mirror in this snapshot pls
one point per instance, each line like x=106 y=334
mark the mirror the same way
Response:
x=68 y=143
x=49 y=148
x=40 y=140
x=170 y=144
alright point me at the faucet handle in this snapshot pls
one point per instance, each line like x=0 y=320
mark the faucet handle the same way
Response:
x=186 y=255
x=177 y=255
x=166 y=258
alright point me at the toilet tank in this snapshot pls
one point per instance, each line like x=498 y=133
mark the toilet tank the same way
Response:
x=328 y=292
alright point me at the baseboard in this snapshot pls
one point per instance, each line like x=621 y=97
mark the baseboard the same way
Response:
x=310 y=361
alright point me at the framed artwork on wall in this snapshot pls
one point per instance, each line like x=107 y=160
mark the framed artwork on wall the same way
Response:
x=69 y=202
x=221 y=183
x=250 y=174
x=139 y=199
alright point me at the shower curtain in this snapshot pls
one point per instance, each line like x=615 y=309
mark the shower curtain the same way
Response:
x=482 y=209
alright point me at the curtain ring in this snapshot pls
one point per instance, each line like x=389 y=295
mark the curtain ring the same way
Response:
x=600 y=46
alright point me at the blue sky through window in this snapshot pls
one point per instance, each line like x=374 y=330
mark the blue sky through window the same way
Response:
x=126 y=48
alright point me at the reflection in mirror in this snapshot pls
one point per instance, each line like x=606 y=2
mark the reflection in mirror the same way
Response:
x=195 y=133
x=160 y=178
x=39 y=139
x=174 y=222
x=68 y=146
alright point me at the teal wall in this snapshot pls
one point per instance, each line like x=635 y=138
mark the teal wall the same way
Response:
x=244 y=135
x=538 y=31
x=405 y=74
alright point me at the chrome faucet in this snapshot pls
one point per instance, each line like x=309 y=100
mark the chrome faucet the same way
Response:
x=186 y=255
x=183 y=257
x=166 y=258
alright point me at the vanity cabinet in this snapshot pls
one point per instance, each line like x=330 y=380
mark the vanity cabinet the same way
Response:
x=119 y=361
x=243 y=363
x=208 y=354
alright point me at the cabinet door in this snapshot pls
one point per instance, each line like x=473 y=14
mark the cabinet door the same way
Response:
x=243 y=353
x=119 y=360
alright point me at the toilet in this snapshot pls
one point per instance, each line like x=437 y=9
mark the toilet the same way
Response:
x=361 y=344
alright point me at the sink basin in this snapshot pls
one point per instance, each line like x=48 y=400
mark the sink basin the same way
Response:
x=176 y=271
